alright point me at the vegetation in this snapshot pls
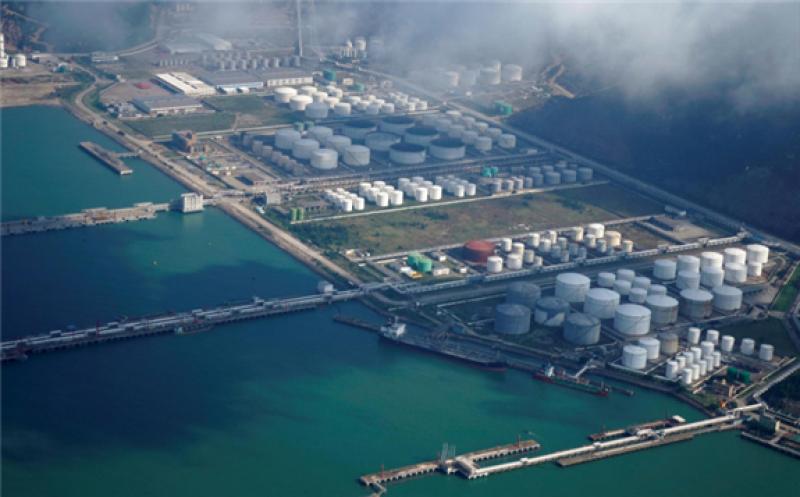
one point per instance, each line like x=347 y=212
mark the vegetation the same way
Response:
x=770 y=330
x=694 y=146
x=252 y=110
x=432 y=226
x=789 y=292
x=786 y=394
x=165 y=125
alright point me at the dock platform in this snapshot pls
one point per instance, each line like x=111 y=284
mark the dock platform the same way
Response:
x=107 y=157
x=87 y=217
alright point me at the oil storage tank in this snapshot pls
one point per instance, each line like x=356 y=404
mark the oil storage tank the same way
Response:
x=407 y=153
x=324 y=159
x=302 y=148
x=523 y=293
x=396 y=124
x=688 y=263
x=601 y=303
x=711 y=276
x=665 y=269
x=338 y=143
x=358 y=129
x=696 y=303
x=572 y=287
x=512 y=319
x=283 y=94
x=285 y=138
x=420 y=135
x=663 y=309
x=380 y=141
x=477 y=251
x=582 y=329
x=448 y=148
x=669 y=343
x=634 y=357
x=757 y=253
x=632 y=319
x=727 y=298
x=652 y=346
x=356 y=155
x=551 y=311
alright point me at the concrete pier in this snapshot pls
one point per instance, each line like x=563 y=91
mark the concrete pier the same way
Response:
x=87 y=217
x=107 y=157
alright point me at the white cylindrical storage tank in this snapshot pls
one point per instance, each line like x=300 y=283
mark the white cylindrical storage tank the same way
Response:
x=637 y=296
x=302 y=148
x=338 y=143
x=396 y=198
x=518 y=247
x=688 y=263
x=727 y=343
x=688 y=280
x=748 y=346
x=514 y=261
x=284 y=94
x=511 y=72
x=652 y=346
x=757 y=253
x=407 y=153
x=397 y=125
x=693 y=335
x=325 y=158
x=597 y=230
x=626 y=275
x=494 y=263
x=696 y=303
x=551 y=311
x=734 y=254
x=582 y=329
x=622 y=287
x=421 y=194
x=634 y=357
x=585 y=174
x=665 y=269
x=358 y=204
x=552 y=178
x=356 y=155
x=507 y=140
x=420 y=135
x=664 y=309
x=672 y=370
x=506 y=244
x=380 y=141
x=308 y=90
x=686 y=376
x=358 y=129
x=347 y=205
x=697 y=354
x=317 y=110
x=382 y=199
x=285 y=138
x=703 y=368
x=512 y=319
x=483 y=144
x=572 y=287
x=711 y=276
x=300 y=102
x=642 y=282
x=680 y=359
x=657 y=290
x=696 y=371
x=601 y=303
x=735 y=273
x=669 y=343
x=606 y=279
x=727 y=298
x=613 y=238
x=343 y=109
x=765 y=352
x=447 y=148
x=523 y=293
x=632 y=319
x=754 y=269
x=714 y=259
x=712 y=336
x=320 y=133
x=717 y=359
x=529 y=256
x=706 y=349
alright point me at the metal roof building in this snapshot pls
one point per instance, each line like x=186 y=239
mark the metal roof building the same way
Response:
x=167 y=104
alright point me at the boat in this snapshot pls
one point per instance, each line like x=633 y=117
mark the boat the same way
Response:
x=395 y=331
x=550 y=374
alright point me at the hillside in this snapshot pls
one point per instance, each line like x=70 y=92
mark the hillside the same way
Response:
x=744 y=164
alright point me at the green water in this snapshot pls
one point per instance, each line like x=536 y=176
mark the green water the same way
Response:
x=45 y=172
x=291 y=406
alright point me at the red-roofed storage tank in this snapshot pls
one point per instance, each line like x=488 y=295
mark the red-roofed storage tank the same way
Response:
x=477 y=251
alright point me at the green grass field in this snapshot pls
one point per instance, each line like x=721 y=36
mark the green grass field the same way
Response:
x=789 y=292
x=253 y=110
x=165 y=125
x=406 y=230
x=769 y=330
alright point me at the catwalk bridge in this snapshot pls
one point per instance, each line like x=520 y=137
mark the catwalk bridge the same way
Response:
x=184 y=322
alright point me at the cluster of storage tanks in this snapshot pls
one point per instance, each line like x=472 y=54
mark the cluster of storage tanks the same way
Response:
x=309 y=146
x=542 y=176
x=244 y=60
x=492 y=73
x=260 y=146
x=573 y=244
x=320 y=103
x=702 y=358
x=416 y=188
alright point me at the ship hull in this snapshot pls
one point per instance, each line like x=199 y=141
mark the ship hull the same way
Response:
x=566 y=383
x=486 y=365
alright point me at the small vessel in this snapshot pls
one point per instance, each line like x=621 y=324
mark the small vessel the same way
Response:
x=394 y=329
x=549 y=374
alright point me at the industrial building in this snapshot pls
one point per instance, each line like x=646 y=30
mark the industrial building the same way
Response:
x=273 y=79
x=167 y=104
x=185 y=83
x=231 y=82
x=186 y=141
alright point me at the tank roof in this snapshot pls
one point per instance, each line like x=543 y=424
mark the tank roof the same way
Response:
x=407 y=147
x=422 y=130
x=447 y=142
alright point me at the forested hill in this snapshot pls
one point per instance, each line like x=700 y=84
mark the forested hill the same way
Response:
x=745 y=164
